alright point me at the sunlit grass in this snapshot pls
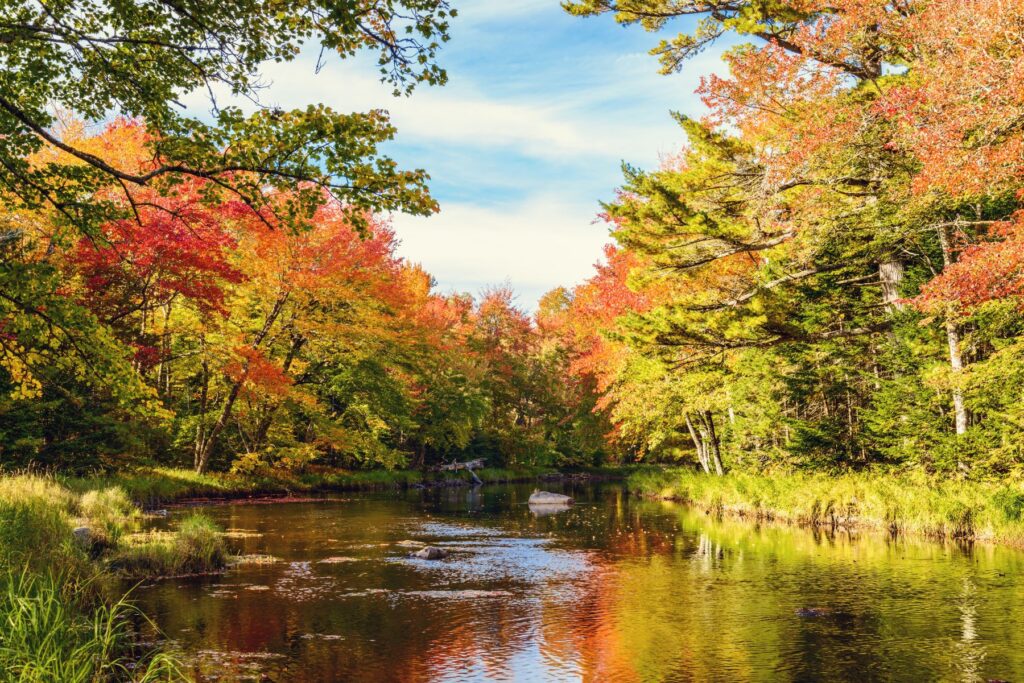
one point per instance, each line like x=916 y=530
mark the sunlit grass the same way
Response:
x=47 y=635
x=56 y=620
x=196 y=547
x=901 y=503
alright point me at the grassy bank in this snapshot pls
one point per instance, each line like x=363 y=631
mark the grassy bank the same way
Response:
x=899 y=503
x=62 y=617
x=152 y=487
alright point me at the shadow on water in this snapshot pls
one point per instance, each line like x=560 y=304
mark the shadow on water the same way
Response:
x=611 y=589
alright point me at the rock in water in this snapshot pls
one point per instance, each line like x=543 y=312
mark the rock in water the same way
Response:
x=548 y=498
x=430 y=553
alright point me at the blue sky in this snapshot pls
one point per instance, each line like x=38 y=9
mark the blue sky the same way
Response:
x=529 y=134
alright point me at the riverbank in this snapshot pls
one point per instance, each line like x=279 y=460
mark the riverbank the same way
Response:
x=63 y=610
x=153 y=487
x=899 y=503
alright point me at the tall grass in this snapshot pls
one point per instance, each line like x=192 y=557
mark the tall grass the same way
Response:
x=109 y=513
x=900 y=503
x=57 y=623
x=46 y=637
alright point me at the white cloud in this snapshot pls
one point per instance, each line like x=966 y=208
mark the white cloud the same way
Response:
x=520 y=144
x=550 y=127
x=536 y=245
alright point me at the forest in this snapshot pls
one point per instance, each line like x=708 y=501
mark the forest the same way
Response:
x=824 y=285
x=827 y=276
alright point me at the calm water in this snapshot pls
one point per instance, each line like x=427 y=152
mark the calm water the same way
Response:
x=615 y=589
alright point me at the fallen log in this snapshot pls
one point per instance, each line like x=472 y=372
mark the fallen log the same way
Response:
x=469 y=466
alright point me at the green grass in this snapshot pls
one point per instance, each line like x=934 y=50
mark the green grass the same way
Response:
x=899 y=503
x=57 y=620
x=47 y=635
x=197 y=547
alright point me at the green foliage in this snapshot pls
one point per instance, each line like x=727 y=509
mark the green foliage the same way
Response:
x=135 y=59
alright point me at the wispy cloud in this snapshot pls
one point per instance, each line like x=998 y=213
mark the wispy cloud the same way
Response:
x=522 y=142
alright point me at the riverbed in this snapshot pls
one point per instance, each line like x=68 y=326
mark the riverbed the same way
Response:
x=613 y=589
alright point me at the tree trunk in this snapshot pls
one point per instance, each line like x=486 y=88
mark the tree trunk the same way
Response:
x=698 y=443
x=204 y=449
x=204 y=398
x=891 y=275
x=268 y=413
x=957 y=364
x=953 y=341
x=713 y=441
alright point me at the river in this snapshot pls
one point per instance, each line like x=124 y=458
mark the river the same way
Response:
x=613 y=589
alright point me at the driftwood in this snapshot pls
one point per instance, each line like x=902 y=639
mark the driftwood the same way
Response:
x=469 y=466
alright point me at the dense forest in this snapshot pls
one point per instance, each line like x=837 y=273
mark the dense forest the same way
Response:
x=827 y=276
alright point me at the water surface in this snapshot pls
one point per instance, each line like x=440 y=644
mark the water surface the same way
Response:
x=614 y=589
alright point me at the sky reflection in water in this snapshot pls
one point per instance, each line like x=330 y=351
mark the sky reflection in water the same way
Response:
x=613 y=589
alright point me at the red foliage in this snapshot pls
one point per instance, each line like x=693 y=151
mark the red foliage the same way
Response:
x=991 y=270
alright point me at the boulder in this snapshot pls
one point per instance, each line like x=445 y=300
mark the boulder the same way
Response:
x=83 y=536
x=548 y=498
x=431 y=553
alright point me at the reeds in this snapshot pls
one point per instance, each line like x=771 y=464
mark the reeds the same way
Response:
x=902 y=503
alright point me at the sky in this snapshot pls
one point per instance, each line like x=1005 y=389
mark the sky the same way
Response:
x=524 y=141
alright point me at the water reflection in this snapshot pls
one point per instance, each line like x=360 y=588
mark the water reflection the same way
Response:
x=612 y=589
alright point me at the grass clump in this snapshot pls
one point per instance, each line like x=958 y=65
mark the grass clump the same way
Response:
x=109 y=513
x=36 y=525
x=57 y=622
x=197 y=547
x=47 y=635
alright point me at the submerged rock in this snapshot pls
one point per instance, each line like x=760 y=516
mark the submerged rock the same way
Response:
x=548 y=498
x=431 y=553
